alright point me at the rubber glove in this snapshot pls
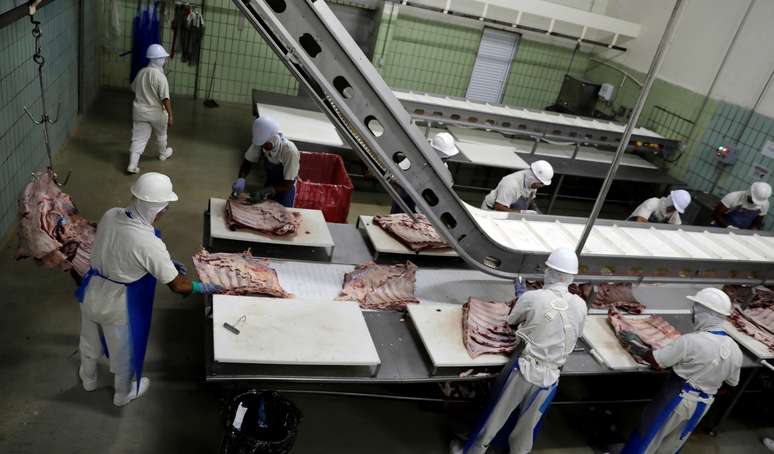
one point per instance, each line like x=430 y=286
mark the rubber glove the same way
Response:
x=205 y=289
x=262 y=195
x=519 y=286
x=239 y=186
x=182 y=269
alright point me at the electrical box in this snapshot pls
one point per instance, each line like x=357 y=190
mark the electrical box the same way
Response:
x=726 y=155
x=606 y=92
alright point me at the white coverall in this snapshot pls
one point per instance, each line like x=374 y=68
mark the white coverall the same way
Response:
x=514 y=191
x=704 y=361
x=150 y=88
x=654 y=210
x=549 y=323
x=124 y=250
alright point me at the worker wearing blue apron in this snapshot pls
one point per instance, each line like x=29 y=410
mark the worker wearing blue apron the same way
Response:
x=547 y=323
x=664 y=210
x=701 y=362
x=282 y=162
x=445 y=146
x=517 y=191
x=116 y=294
x=744 y=209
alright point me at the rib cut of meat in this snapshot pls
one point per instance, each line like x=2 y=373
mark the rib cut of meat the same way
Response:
x=485 y=328
x=739 y=294
x=416 y=236
x=267 y=217
x=652 y=330
x=751 y=329
x=381 y=286
x=50 y=229
x=761 y=316
x=618 y=295
x=759 y=296
x=238 y=274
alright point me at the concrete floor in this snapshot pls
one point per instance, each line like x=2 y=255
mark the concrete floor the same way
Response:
x=44 y=409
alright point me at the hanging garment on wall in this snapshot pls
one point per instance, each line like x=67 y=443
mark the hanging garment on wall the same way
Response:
x=188 y=31
x=112 y=33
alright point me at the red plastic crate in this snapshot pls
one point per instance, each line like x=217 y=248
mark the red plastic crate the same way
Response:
x=323 y=184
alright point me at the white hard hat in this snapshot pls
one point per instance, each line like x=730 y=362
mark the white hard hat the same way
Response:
x=760 y=192
x=713 y=299
x=264 y=128
x=563 y=259
x=543 y=171
x=156 y=51
x=154 y=187
x=680 y=200
x=443 y=142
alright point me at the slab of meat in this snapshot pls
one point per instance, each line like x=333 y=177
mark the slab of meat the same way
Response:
x=746 y=326
x=381 y=286
x=759 y=296
x=739 y=294
x=238 y=274
x=607 y=296
x=267 y=217
x=417 y=236
x=485 y=328
x=50 y=229
x=761 y=316
x=650 y=330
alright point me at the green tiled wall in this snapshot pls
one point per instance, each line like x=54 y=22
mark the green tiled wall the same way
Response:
x=21 y=143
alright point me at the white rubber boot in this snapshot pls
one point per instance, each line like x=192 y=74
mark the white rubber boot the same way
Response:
x=89 y=383
x=134 y=163
x=768 y=443
x=455 y=447
x=166 y=154
x=121 y=399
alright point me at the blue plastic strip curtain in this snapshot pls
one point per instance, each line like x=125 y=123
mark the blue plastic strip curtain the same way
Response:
x=145 y=31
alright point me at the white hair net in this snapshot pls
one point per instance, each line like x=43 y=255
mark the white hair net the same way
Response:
x=705 y=319
x=145 y=212
x=554 y=277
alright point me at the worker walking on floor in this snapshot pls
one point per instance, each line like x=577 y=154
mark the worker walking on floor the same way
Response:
x=282 y=162
x=701 y=361
x=744 y=209
x=117 y=292
x=664 y=210
x=151 y=109
x=547 y=323
x=444 y=145
x=517 y=191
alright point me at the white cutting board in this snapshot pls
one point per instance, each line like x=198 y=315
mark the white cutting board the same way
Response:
x=753 y=346
x=291 y=332
x=440 y=327
x=605 y=346
x=313 y=231
x=492 y=155
x=384 y=243
x=303 y=125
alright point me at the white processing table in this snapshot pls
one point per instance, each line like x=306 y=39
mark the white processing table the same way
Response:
x=384 y=243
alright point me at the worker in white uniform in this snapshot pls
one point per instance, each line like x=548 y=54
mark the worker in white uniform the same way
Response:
x=445 y=147
x=547 y=323
x=701 y=361
x=664 y=210
x=516 y=192
x=116 y=294
x=151 y=109
x=282 y=162
x=744 y=209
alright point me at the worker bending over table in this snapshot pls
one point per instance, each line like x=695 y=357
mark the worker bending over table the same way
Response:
x=547 y=323
x=281 y=159
x=443 y=143
x=117 y=292
x=701 y=361
x=517 y=191
x=744 y=209
x=664 y=210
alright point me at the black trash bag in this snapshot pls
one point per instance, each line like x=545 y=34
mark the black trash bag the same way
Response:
x=269 y=424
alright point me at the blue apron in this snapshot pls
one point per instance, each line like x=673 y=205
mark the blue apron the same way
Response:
x=140 y=295
x=501 y=439
x=742 y=217
x=659 y=411
x=275 y=174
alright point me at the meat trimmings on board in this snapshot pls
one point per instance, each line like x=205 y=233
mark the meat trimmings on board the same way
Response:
x=649 y=331
x=238 y=274
x=267 y=217
x=417 y=236
x=485 y=328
